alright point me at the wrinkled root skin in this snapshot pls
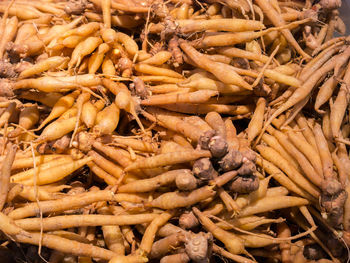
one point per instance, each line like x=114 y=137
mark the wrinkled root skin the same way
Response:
x=199 y=246
x=218 y=146
x=188 y=220
x=232 y=160
x=205 y=138
x=204 y=170
x=244 y=184
x=247 y=168
x=76 y=7
x=7 y=70
x=175 y=50
x=333 y=205
x=6 y=88
x=140 y=88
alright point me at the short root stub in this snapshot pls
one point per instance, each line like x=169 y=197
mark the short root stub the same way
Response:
x=204 y=170
x=232 y=160
x=199 y=246
x=188 y=220
x=139 y=88
x=218 y=146
x=244 y=184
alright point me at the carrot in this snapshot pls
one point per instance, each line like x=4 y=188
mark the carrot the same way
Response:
x=28 y=117
x=273 y=143
x=152 y=70
x=68 y=202
x=30 y=224
x=82 y=49
x=6 y=173
x=339 y=106
x=53 y=84
x=129 y=259
x=61 y=106
x=113 y=169
x=282 y=178
x=99 y=172
x=107 y=120
x=110 y=36
x=304 y=147
x=234 y=244
x=284 y=231
x=231 y=135
x=42 y=66
x=151 y=230
x=106 y=12
x=206 y=108
x=4 y=118
x=268 y=203
x=227 y=39
x=189 y=25
x=168 y=159
x=158 y=59
x=256 y=123
x=277 y=20
x=123 y=99
x=83 y=30
x=114 y=239
x=183 y=199
x=72 y=41
x=236 y=52
x=306 y=130
x=57 y=129
x=55 y=173
x=48 y=99
x=208 y=83
x=223 y=72
x=27 y=162
x=147 y=185
x=8 y=34
x=108 y=66
x=88 y=114
x=181 y=258
x=302 y=92
x=216 y=123
x=301 y=159
x=174 y=123
x=326 y=158
x=192 y=97
x=96 y=59
x=135 y=144
x=52 y=241
x=119 y=155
